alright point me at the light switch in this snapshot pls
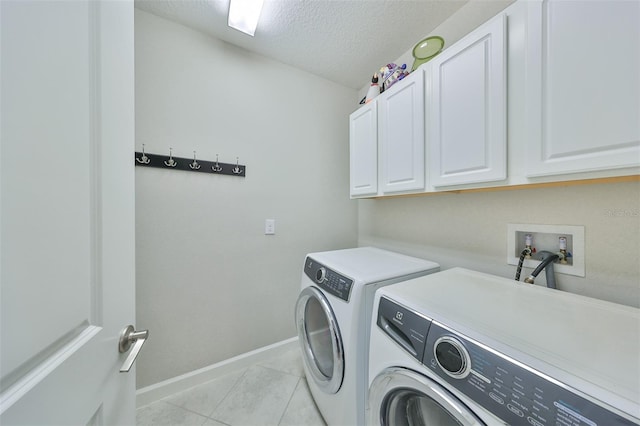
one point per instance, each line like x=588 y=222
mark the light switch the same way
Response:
x=269 y=226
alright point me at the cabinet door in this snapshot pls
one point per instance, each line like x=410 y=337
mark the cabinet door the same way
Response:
x=583 y=86
x=363 y=146
x=401 y=132
x=467 y=109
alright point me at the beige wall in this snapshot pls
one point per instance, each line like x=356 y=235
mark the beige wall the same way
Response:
x=210 y=284
x=470 y=230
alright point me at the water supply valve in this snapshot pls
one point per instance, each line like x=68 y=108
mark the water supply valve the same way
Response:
x=528 y=245
x=562 y=245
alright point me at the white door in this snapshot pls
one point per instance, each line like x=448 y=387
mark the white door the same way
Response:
x=67 y=211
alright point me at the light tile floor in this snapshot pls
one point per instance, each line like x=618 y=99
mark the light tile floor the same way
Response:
x=273 y=392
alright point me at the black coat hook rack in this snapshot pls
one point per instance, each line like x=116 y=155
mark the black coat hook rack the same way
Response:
x=189 y=164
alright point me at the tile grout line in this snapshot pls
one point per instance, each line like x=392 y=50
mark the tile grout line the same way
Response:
x=210 y=416
x=289 y=402
x=280 y=371
x=185 y=409
x=205 y=417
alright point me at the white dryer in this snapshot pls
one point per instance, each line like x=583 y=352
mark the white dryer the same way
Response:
x=464 y=348
x=333 y=318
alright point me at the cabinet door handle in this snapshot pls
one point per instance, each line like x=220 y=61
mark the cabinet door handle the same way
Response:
x=127 y=337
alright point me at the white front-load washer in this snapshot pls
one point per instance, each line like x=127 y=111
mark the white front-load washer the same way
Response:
x=465 y=348
x=333 y=317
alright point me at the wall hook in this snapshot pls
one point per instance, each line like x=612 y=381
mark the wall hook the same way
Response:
x=194 y=165
x=216 y=167
x=237 y=170
x=171 y=162
x=144 y=159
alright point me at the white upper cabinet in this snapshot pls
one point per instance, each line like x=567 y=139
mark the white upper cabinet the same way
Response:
x=571 y=110
x=467 y=109
x=363 y=145
x=583 y=86
x=401 y=133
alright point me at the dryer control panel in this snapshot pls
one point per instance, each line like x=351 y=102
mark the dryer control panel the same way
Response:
x=328 y=279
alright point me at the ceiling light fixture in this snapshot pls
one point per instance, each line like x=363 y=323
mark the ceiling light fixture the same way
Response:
x=244 y=15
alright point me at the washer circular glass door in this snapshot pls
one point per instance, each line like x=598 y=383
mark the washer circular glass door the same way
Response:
x=398 y=396
x=319 y=336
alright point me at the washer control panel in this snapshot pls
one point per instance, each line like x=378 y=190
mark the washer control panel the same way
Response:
x=327 y=279
x=515 y=394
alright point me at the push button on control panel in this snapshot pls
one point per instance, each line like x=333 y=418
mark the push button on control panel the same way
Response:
x=515 y=410
x=496 y=398
x=534 y=422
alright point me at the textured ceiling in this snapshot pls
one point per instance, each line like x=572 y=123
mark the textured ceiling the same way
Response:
x=342 y=41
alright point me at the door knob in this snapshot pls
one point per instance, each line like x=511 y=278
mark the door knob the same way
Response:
x=127 y=337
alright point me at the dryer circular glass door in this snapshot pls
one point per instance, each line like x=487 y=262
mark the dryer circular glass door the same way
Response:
x=319 y=336
x=398 y=396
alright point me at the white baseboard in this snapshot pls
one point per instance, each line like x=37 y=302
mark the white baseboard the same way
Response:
x=160 y=390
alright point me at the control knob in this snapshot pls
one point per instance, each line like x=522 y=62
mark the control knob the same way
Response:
x=321 y=275
x=452 y=357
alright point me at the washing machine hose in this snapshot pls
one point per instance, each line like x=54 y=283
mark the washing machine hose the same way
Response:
x=526 y=252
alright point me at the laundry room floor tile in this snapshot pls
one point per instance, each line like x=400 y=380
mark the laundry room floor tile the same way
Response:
x=271 y=392
x=163 y=413
x=290 y=362
x=211 y=422
x=301 y=410
x=203 y=399
x=259 y=397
